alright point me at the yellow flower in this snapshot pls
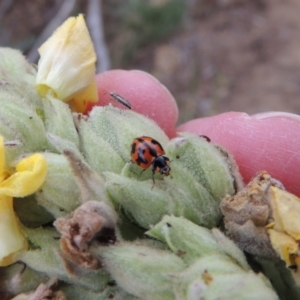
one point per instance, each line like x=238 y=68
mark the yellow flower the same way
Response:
x=284 y=232
x=285 y=246
x=286 y=212
x=29 y=175
x=66 y=68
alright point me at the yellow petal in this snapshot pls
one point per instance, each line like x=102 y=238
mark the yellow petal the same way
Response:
x=11 y=239
x=30 y=175
x=285 y=246
x=286 y=212
x=67 y=63
x=81 y=99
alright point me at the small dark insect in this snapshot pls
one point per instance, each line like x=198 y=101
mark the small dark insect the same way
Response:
x=146 y=152
x=205 y=137
x=120 y=99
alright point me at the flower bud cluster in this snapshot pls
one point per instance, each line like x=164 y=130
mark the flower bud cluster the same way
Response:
x=90 y=204
x=202 y=264
x=90 y=156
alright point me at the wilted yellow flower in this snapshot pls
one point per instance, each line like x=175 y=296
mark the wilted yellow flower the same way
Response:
x=285 y=232
x=66 y=68
x=29 y=175
x=286 y=212
x=264 y=220
x=285 y=246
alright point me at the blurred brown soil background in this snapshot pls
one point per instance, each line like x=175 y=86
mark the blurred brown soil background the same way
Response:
x=213 y=55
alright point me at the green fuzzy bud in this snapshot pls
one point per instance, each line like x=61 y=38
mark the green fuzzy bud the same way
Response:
x=230 y=248
x=142 y=271
x=201 y=175
x=147 y=206
x=193 y=242
x=97 y=151
x=18 y=77
x=15 y=68
x=209 y=164
x=106 y=136
x=120 y=127
x=59 y=193
x=215 y=277
x=20 y=125
x=60 y=145
x=186 y=238
x=58 y=120
x=20 y=122
x=44 y=256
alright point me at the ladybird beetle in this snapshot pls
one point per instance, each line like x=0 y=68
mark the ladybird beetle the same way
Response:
x=146 y=152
